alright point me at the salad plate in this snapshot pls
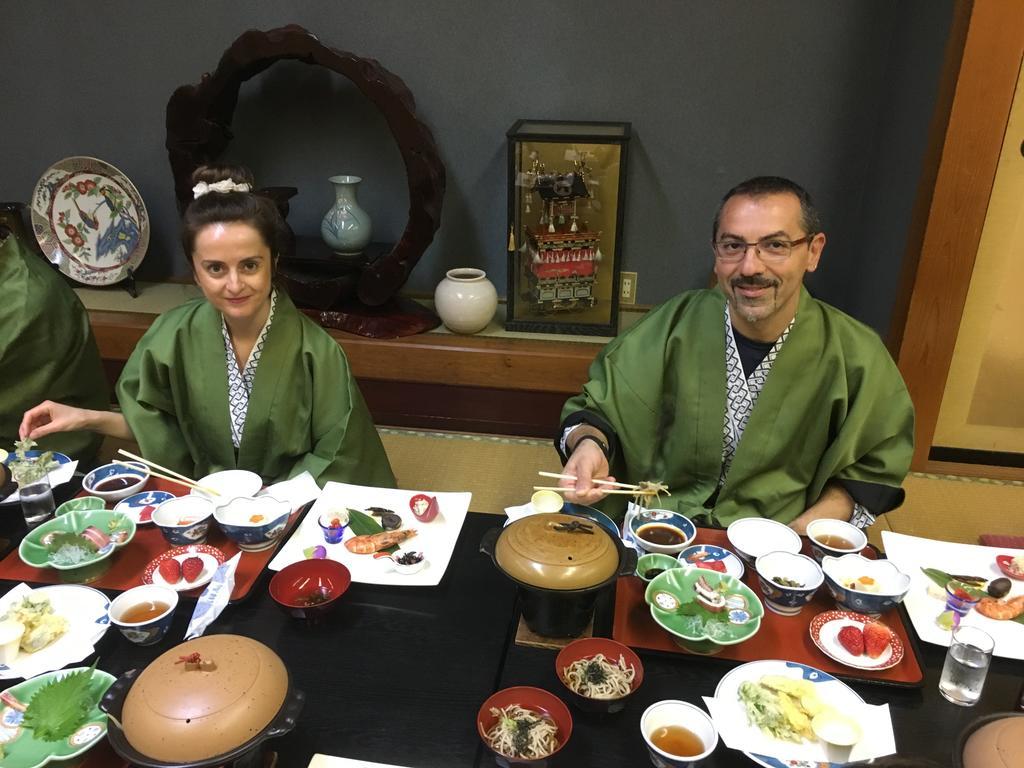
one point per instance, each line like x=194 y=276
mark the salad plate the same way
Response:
x=435 y=539
x=21 y=748
x=211 y=557
x=84 y=609
x=874 y=722
x=140 y=506
x=90 y=220
x=825 y=628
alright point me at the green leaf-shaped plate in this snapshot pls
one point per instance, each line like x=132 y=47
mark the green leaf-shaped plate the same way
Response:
x=81 y=504
x=119 y=527
x=676 y=608
x=23 y=750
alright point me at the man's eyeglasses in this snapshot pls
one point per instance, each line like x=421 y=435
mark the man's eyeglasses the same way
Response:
x=769 y=249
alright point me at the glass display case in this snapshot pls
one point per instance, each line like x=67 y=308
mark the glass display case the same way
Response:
x=566 y=194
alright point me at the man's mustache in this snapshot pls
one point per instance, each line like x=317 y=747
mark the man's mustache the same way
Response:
x=754 y=281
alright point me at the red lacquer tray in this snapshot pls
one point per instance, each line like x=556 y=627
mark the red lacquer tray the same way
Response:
x=780 y=637
x=127 y=565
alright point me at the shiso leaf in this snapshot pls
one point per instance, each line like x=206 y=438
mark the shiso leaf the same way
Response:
x=58 y=708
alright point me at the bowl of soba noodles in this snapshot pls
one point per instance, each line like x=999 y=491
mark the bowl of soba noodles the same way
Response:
x=524 y=726
x=600 y=674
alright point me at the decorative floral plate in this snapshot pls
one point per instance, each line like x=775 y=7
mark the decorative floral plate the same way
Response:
x=140 y=506
x=211 y=557
x=84 y=608
x=21 y=748
x=90 y=220
x=824 y=631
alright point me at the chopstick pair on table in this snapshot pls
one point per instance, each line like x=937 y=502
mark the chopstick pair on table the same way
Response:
x=163 y=472
x=625 y=489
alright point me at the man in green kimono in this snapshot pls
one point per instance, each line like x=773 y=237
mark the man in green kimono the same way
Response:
x=47 y=349
x=750 y=399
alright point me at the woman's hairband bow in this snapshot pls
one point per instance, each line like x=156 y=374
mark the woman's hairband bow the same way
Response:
x=224 y=185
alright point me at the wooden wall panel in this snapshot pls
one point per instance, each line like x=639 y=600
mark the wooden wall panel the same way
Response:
x=981 y=104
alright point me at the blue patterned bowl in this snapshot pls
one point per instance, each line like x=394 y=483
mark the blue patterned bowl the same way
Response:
x=253 y=524
x=845 y=577
x=129 y=480
x=184 y=520
x=674 y=531
x=782 y=598
x=151 y=629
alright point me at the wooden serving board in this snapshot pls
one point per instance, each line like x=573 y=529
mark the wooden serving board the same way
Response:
x=129 y=562
x=780 y=637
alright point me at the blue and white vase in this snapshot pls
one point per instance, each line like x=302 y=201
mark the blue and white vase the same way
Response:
x=346 y=227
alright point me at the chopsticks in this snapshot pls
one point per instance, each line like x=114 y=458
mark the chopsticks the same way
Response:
x=163 y=472
x=623 y=491
x=610 y=483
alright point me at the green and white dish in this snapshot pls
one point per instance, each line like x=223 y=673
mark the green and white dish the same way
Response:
x=729 y=613
x=20 y=747
x=81 y=504
x=120 y=528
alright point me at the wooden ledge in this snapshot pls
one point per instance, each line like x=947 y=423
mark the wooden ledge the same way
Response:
x=501 y=363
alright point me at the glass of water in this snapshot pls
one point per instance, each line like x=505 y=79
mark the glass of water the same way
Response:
x=36 y=502
x=963 y=674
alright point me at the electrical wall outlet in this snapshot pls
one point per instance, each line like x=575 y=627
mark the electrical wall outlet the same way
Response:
x=627 y=287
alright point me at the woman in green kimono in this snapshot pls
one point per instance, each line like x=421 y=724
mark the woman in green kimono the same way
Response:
x=239 y=378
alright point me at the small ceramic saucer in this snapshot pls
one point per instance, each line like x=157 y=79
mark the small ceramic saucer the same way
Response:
x=824 y=631
x=140 y=507
x=211 y=557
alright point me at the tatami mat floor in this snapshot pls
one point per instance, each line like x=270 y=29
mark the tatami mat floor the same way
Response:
x=501 y=472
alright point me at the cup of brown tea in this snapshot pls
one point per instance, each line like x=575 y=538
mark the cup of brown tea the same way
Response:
x=144 y=614
x=835 y=538
x=677 y=733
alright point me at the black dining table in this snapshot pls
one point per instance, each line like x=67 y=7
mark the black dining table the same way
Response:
x=397 y=674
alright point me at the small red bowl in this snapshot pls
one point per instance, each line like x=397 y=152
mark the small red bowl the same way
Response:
x=293 y=586
x=536 y=699
x=1005 y=563
x=591 y=646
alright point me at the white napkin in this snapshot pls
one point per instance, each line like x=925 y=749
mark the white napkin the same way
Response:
x=57 y=476
x=518 y=513
x=214 y=598
x=296 y=491
x=737 y=733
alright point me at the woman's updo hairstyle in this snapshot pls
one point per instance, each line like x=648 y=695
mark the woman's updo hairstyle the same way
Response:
x=226 y=207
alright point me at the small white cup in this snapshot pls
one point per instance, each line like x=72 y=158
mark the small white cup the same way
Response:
x=675 y=712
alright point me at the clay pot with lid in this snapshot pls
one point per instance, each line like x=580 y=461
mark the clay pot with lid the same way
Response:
x=561 y=563
x=207 y=702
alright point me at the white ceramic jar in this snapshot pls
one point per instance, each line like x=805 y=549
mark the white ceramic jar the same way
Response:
x=466 y=300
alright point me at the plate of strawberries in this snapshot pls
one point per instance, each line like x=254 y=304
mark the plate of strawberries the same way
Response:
x=856 y=640
x=184 y=568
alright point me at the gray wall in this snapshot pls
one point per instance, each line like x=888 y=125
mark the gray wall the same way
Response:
x=836 y=94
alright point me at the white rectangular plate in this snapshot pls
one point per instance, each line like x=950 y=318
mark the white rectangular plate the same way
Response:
x=435 y=539
x=911 y=553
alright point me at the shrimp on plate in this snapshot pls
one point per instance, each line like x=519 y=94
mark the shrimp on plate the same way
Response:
x=1001 y=610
